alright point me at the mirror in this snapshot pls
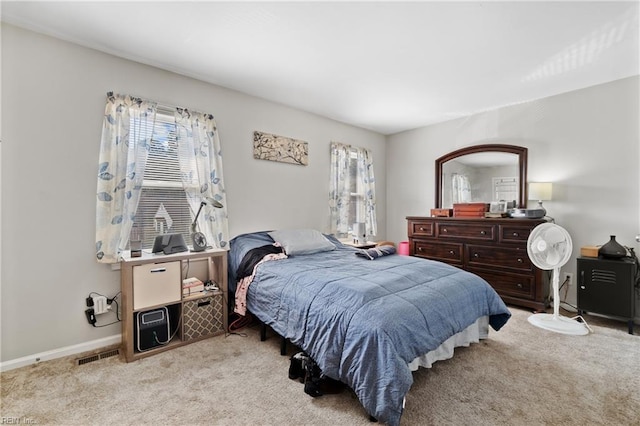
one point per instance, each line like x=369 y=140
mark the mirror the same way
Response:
x=482 y=174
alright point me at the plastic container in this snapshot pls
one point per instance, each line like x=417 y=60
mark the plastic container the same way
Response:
x=403 y=248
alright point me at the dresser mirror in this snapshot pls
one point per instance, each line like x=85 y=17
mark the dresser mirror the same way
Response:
x=482 y=174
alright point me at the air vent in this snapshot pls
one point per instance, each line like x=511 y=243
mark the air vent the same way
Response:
x=603 y=276
x=96 y=357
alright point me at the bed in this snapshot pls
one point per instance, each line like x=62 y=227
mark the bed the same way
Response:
x=367 y=323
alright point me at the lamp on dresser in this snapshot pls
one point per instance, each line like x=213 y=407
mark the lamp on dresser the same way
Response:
x=541 y=191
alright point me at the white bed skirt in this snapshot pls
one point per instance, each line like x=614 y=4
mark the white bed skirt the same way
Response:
x=472 y=334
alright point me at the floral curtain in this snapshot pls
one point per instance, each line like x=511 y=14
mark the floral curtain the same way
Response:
x=201 y=171
x=126 y=137
x=341 y=185
x=339 y=189
x=368 y=184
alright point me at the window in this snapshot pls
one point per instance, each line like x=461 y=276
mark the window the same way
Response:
x=163 y=205
x=356 y=191
x=505 y=188
x=182 y=149
x=352 y=190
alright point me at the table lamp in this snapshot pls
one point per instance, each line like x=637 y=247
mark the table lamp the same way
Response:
x=541 y=191
x=197 y=238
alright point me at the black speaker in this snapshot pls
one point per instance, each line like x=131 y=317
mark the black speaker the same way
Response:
x=151 y=329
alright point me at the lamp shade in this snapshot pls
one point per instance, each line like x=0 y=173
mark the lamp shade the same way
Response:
x=540 y=191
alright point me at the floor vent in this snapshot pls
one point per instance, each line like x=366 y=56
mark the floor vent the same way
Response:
x=96 y=357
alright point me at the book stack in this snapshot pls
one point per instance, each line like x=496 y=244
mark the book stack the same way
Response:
x=191 y=286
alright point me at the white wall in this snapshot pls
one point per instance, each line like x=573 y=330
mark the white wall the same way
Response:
x=53 y=98
x=586 y=142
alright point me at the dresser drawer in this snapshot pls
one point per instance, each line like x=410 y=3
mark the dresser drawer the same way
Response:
x=447 y=252
x=156 y=284
x=503 y=257
x=476 y=231
x=420 y=229
x=509 y=284
x=514 y=233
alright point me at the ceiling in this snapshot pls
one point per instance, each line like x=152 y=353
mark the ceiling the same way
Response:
x=384 y=66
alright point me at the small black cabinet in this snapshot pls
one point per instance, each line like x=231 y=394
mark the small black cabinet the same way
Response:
x=607 y=287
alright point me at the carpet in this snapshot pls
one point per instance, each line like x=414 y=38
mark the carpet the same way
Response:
x=519 y=376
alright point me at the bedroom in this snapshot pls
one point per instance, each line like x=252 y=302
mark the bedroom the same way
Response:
x=586 y=140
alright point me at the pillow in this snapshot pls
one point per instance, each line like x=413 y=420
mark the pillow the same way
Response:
x=376 y=252
x=302 y=241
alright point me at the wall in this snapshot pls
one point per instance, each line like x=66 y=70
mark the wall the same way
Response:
x=53 y=97
x=586 y=142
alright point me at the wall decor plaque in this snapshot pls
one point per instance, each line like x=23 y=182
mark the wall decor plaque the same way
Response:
x=279 y=148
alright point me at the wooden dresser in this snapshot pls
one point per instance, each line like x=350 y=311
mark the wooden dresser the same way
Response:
x=495 y=249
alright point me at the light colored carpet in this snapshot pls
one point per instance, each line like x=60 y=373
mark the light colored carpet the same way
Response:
x=521 y=375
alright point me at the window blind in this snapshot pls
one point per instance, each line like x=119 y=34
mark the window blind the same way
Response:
x=162 y=186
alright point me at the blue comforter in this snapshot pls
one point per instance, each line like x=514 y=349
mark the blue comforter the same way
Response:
x=363 y=321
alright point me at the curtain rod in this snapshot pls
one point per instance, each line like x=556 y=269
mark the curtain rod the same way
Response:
x=166 y=108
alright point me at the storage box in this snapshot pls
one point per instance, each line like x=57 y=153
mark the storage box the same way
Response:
x=470 y=209
x=589 y=251
x=202 y=317
x=156 y=284
x=441 y=212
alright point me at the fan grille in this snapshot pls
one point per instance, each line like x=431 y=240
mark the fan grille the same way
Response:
x=549 y=246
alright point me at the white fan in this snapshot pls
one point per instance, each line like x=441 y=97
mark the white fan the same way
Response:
x=549 y=247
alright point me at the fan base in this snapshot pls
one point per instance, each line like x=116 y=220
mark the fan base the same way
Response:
x=559 y=324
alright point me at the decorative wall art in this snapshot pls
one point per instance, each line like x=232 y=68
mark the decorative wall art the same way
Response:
x=279 y=148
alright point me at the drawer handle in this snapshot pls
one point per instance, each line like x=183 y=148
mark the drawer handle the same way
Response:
x=159 y=270
x=452 y=252
x=444 y=229
x=515 y=234
x=419 y=248
x=421 y=228
x=520 y=260
x=201 y=304
x=476 y=255
x=483 y=232
x=519 y=285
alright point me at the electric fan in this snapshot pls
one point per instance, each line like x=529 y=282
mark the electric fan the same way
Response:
x=549 y=248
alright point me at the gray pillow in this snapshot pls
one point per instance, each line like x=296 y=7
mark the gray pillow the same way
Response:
x=302 y=241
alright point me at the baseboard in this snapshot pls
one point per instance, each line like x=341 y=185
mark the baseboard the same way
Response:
x=61 y=352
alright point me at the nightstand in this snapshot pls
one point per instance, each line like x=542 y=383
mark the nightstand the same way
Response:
x=157 y=314
x=607 y=287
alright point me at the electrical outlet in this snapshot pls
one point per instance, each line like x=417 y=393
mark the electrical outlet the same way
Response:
x=568 y=277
